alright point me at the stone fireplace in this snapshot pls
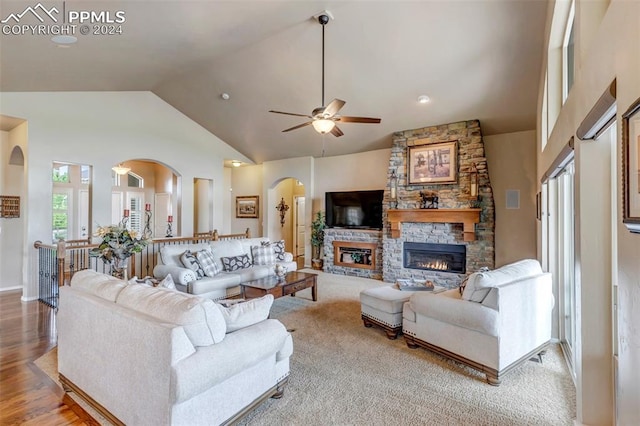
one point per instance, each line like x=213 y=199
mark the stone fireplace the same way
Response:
x=464 y=223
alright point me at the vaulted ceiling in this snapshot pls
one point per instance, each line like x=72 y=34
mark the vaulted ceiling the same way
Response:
x=475 y=59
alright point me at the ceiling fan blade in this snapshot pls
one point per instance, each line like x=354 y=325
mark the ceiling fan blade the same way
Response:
x=346 y=119
x=336 y=132
x=297 y=127
x=291 y=113
x=333 y=108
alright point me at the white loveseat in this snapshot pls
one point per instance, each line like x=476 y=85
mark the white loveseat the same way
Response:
x=224 y=284
x=154 y=356
x=502 y=318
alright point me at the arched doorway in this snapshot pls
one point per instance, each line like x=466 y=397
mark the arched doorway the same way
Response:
x=289 y=225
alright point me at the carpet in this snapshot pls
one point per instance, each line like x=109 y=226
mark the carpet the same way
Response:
x=345 y=374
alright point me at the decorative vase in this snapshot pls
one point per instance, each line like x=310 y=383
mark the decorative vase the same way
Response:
x=119 y=268
x=280 y=271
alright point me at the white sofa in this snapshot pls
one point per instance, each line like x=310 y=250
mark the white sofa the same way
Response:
x=502 y=318
x=224 y=284
x=153 y=356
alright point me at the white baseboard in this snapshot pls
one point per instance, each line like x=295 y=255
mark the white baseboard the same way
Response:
x=19 y=287
x=28 y=299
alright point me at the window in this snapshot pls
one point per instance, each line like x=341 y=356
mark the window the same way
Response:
x=60 y=173
x=135 y=203
x=60 y=204
x=568 y=54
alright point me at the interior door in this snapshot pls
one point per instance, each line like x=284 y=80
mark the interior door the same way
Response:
x=300 y=226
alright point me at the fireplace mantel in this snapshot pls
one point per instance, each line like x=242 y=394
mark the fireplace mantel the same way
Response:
x=468 y=218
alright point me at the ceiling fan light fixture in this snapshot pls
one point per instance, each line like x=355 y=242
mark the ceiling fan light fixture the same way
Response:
x=121 y=170
x=323 y=126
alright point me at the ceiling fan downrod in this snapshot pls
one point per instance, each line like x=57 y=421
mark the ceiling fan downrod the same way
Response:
x=323 y=20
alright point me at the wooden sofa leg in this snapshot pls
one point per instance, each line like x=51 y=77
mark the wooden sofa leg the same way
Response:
x=367 y=323
x=280 y=389
x=391 y=335
x=493 y=379
x=410 y=342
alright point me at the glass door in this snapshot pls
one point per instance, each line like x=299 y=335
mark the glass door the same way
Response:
x=566 y=259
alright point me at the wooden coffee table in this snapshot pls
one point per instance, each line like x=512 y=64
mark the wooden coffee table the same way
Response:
x=292 y=283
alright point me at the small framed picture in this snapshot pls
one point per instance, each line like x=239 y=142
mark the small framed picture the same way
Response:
x=631 y=167
x=432 y=163
x=247 y=207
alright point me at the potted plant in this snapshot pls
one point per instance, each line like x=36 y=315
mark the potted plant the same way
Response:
x=317 y=240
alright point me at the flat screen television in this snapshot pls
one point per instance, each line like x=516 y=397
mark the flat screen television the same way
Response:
x=354 y=209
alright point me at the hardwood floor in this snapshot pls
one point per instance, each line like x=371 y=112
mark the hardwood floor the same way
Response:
x=27 y=395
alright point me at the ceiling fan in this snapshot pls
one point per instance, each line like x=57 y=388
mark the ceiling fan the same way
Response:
x=324 y=118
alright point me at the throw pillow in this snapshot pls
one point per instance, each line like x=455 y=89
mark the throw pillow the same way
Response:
x=244 y=314
x=168 y=283
x=263 y=255
x=278 y=248
x=190 y=261
x=234 y=263
x=470 y=291
x=208 y=263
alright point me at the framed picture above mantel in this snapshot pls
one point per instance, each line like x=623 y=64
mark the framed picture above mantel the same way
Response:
x=631 y=167
x=432 y=163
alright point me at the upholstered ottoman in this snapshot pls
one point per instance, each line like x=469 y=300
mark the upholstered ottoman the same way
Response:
x=382 y=306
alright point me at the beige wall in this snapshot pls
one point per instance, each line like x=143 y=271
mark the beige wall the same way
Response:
x=511 y=159
x=247 y=181
x=367 y=170
x=611 y=51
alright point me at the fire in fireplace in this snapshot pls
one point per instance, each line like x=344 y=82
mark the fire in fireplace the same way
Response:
x=435 y=257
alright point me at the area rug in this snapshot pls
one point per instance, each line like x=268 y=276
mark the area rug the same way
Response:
x=345 y=374
x=49 y=364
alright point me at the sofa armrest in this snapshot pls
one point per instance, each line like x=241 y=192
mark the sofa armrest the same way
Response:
x=238 y=351
x=180 y=275
x=453 y=310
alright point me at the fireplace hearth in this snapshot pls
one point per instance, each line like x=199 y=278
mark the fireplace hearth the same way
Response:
x=435 y=257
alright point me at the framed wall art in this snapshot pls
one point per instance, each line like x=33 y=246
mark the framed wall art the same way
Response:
x=432 y=163
x=247 y=207
x=631 y=167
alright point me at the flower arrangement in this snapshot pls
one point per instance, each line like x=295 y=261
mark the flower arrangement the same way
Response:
x=118 y=244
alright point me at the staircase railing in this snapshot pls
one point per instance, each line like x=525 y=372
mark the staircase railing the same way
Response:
x=58 y=262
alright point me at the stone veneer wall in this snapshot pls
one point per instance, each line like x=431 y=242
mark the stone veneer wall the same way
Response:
x=353 y=235
x=480 y=252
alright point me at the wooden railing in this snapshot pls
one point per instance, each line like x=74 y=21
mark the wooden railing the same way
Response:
x=58 y=262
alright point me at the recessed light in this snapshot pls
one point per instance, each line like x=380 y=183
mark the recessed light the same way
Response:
x=225 y=96
x=423 y=99
x=64 y=40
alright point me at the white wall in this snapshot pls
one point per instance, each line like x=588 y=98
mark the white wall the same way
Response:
x=11 y=229
x=511 y=159
x=102 y=129
x=611 y=51
x=12 y=182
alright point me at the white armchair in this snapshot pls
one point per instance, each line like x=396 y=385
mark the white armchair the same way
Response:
x=502 y=319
